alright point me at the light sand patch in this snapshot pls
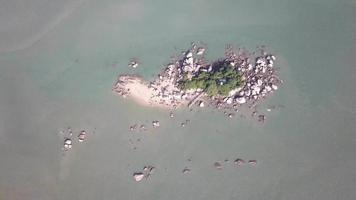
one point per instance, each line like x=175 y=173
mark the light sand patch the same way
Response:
x=140 y=91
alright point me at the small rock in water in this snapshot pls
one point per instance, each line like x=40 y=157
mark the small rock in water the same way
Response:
x=252 y=162
x=261 y=118
x=239 y=162
x=133 y=127
x=230 y=115
x=82 y=136
x=68 y=141
x=138 y=176
x=67 y=144
x=217 y=165
x=142 y=127
x=171 y=115
x=155 y=124
x=182 y=124
x=151 y=169
x=201 y=104
x=133 y=64
x=186 y=170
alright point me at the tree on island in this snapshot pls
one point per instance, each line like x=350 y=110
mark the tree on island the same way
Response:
x=220 y=81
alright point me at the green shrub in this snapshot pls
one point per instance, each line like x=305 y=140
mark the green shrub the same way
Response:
x=210 y=81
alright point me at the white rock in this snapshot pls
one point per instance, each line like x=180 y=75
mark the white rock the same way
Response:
x=82 y=136
x=155 y=123
x=268 y=88
x=134 y=65
x=229 y=100
x=259 y=82
x=256 y=90
x=248 y=93
x=234 y=91
x=189 y=54
x=68 y=141
x=273 y=57
x=264 y=69
x=189 y=60
x=138 y=176
x=274 y=87
x=201 y=104
x=241 y=100
x=185 y=171
x=200 y=51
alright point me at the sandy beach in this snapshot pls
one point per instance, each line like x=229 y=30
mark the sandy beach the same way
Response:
x=138 y=90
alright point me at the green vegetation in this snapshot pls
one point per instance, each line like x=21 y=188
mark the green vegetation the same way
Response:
x=219 y=81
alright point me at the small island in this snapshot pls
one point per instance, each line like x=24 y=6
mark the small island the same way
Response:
x=238 y=78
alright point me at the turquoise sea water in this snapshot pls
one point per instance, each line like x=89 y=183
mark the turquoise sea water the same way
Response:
x=305 y=150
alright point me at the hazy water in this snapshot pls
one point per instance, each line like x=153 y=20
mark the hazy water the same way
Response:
x=64 y=78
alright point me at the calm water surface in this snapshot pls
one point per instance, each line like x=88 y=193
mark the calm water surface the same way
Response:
x=63 y=69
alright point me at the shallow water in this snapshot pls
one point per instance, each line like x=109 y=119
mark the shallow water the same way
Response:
x=63 y=78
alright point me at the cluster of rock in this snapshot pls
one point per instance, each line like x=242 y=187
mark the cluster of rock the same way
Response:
x=259 y=79
x=155 y=123
x=146 y=173
x=238 y=162
x=165 y=87
x=133 y=63
x=148 y=170
x=68 y=143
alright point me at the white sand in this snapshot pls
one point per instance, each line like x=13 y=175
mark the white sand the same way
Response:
x=138 y=90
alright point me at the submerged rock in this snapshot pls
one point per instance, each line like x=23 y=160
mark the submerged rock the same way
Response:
x=186 y=170
x=218 y=165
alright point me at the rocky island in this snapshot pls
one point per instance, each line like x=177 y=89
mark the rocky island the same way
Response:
x=238 y=78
